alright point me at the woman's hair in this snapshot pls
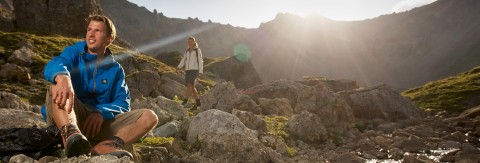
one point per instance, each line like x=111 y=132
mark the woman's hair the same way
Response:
x=195 y=41
x=111 y=31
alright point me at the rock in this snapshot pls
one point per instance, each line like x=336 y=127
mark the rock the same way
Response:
x=471 y=113
x=388 y=127
x=21 y=158
x=47 y=159
x=101 y=158
x=307 y=127
x=7 y=15
x=22 y=56
x=448 y=144
x=277 y=89
x=63 y=17
x=252 y=121
x=12 y=118
x=224 y=96
x=347 y=157
x=223 y=136
x=334 y=85
x=242 y=74
x=32 y=141
x=12 y=101
x=167 y=110
x=410 y=158
x=336 y=115
x=277 y=106
x=171 y=88
x=167 y=130
x=12 y=71
x=153 y=154
x=380 y=102
x=413 y=145
x=148 y=84
x=382 y=141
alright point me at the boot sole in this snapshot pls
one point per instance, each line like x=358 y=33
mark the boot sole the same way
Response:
x=78 y=145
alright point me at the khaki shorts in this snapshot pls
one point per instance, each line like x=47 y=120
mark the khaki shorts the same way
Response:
x=109 y=127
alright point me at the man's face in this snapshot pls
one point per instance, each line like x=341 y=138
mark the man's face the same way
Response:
x=97 y=39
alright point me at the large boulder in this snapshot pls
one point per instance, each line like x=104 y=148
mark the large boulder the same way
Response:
x=380 y=102
x=336 y=85
x=242 y=74
x=277 y=89
x=224 y=138
x=12 y=71
x=167 y=110
x=252 y=121
x=63 y=17
x=12 y=118
x=277 y=106
x=171 y=88
x=144 y=83
x=335 y=113
x=12 y=101
x=224 y=96
x=22 y=56
x=308 y=127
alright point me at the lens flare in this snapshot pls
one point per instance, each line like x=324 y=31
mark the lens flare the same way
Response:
x=242 y=53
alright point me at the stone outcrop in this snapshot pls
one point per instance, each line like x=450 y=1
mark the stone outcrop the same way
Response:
x=277 y=106
x=13 y=118
x=167 y=110
x=224 y=138
x=22 y=56
x=63 y=17
x=7 y=15
x=12 y=71
x=335 y=113
x=380 y=102
x=242 y=74
x=224 y=96
x=308 y=127
x=144 y=83
x=12 y=101
x=276 y=89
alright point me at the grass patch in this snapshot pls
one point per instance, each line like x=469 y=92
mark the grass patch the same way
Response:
x=291 y=152
x=156 y=141
x=453 y=94
x=277 y=126
x=208 y=62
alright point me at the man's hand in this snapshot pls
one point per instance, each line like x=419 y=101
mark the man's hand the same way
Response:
x=92 y=125
x=62 y=93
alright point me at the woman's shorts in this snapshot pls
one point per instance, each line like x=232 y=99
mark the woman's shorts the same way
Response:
x=190 y=76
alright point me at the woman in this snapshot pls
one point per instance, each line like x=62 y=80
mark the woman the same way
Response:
x=193 y=63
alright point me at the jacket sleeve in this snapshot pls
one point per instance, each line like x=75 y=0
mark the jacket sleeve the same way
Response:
x=200 y=61
x=182 y=62
x=120 y=96
x=61 y=64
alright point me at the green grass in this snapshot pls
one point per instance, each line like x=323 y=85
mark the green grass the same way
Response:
x=157 y=141
x=453 y=94
x=277 y=126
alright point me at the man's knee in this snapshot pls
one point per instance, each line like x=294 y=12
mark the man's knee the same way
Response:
x=150 y=117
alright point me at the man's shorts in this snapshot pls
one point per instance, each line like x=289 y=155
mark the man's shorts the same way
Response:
x=190 y=76
x=109 y=127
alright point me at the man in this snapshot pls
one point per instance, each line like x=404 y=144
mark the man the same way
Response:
x=89 y=96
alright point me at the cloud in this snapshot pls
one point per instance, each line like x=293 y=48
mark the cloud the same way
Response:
x=406 y=5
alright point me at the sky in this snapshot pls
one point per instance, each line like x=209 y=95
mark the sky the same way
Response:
x=251 y=13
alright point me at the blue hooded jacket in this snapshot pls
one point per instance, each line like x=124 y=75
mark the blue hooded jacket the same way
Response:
x=99 y=85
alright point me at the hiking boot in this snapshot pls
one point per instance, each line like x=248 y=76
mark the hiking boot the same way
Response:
x=184 y=102
x=74 y=142
x=113 y=146
x=198 y=102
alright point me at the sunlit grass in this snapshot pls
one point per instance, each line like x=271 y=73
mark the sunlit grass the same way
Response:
x=451 y=94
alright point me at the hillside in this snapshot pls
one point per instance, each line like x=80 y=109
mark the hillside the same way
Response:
x=403 y=50
x=452 y=94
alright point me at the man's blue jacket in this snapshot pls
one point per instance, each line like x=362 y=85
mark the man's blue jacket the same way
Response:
x=101 y=85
